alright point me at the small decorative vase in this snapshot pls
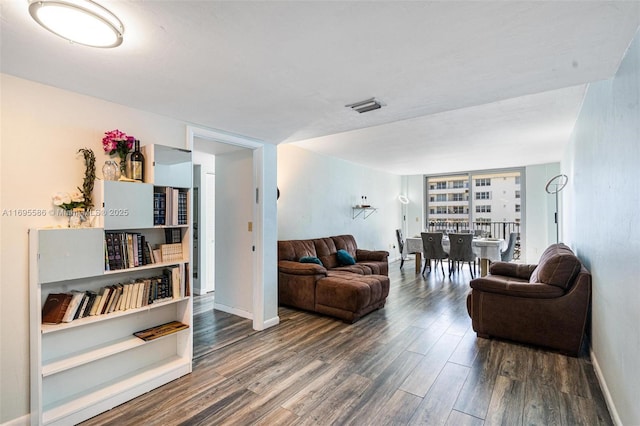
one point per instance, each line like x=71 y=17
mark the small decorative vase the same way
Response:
x=74 y=219
x=79 y=218
x=110 y=170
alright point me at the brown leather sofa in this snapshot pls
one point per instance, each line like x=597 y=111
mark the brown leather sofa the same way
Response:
x=344 y=291
x=545 y=304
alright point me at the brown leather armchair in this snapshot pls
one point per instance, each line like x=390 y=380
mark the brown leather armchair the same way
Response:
x=545 y=304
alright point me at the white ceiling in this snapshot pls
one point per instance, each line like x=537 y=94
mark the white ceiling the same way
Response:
x=467 y=85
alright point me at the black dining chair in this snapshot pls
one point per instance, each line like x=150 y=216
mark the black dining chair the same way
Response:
x=400 y=239
x=432 y=248
x=461 y=250
x=507 y=254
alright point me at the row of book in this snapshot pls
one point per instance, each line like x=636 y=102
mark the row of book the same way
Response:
x=169 y=206
x=127 y=250
x=66 y=307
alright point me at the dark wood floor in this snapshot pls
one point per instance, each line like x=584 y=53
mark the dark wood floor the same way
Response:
x=416 y=361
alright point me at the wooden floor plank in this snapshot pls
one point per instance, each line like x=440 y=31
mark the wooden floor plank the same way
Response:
x=437 y=404
x=426 y=373
x=507 y=402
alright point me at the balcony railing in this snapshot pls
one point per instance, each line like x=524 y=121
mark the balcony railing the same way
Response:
x=489 y=229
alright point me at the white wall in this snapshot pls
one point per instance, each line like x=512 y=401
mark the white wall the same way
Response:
x=207 y=163
x=539 y=219
x=415 y=208
x=42 y=129
x=602 y=224
x=234 y=254
x=317 y=193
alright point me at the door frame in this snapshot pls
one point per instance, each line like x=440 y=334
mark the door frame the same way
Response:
x=264 y=281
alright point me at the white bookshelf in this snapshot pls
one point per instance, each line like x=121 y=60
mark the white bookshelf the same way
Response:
x=92 y=364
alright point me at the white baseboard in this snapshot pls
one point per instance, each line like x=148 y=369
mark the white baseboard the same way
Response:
x=234 y=311
x=266 y=324
x=605 y=390
x=19 y=421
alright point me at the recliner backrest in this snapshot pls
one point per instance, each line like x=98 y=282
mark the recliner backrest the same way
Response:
x=557 y=266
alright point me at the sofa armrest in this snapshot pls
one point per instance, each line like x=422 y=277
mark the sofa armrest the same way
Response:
x=298 y=268
x=515 y=287
x=514 y=270
x=377 y=255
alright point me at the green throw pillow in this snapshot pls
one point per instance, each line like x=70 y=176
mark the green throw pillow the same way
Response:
x=344 y=258
x=310 y=259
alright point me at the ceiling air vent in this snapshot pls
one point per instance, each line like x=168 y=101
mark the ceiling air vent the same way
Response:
x=364 y=106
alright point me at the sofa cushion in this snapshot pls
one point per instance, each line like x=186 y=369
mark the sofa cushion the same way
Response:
x=558 y=266
x=326 y=252
x=344 y=258
x=310 y=259
x=295 y=249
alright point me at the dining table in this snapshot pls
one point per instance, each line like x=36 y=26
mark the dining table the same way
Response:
x=486 y=249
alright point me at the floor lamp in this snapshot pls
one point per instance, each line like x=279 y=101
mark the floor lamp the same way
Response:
x=555 y=185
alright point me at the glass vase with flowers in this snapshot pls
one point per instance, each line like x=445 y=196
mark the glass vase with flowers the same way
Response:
x=118 y=143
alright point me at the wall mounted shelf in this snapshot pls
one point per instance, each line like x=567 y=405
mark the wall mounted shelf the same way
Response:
x=365 y=212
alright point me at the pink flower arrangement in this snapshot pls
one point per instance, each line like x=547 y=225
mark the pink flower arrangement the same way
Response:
x=117 y=142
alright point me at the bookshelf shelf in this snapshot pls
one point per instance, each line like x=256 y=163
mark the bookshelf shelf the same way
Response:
x=94 y=362
x=52 y=328
x=93 y=354
x=145 y=267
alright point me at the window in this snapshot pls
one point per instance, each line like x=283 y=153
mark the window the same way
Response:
x=489 y=197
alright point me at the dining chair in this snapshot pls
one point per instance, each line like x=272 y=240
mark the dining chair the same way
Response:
x=461 y=250
x=432 y=247
x=507 y=254
x=400 y=246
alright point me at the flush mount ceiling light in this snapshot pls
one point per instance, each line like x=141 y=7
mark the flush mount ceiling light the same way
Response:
x=79 y=21
x=364 y=106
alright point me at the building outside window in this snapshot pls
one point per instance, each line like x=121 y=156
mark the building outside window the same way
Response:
x=463 y=202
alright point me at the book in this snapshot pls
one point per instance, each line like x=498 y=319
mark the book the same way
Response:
x=82 y=307
x=182 y=208
x=55 y=306
x=159 y=209
x=74 y=304
x=171 y=252
x=96 y=303
x=172 y=235
x=117 y=252
x=160 y=330
x=92 y=299
x=104 y=296
x=148 y=253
